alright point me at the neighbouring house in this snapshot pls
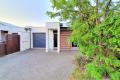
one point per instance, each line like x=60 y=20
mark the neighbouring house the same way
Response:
x=13 y=38
x=52 y=37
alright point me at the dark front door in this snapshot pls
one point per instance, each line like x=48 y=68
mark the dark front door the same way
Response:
x=39 y=40
x=55 y=38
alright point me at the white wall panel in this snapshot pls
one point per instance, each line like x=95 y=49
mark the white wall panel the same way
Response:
x=53 y=25
x=24 y=41
x=0 y=36
x=38 y=29
x=50 y=38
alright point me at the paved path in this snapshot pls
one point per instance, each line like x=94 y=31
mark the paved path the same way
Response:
x=36 y=65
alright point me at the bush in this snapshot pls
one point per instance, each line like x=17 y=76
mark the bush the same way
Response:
x=99 y=61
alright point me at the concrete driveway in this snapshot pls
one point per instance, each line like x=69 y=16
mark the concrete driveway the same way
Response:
x=35 y=64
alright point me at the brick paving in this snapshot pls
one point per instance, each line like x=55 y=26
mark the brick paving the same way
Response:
x=35 y=64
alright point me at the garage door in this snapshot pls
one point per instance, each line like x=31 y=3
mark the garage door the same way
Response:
x=39 y=40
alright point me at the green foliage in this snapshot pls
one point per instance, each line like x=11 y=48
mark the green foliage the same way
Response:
x=99 y=42
x=104 y=63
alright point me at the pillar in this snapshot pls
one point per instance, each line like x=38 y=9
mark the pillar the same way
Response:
x=47 y=41
x=0 y=36
x=58 y=50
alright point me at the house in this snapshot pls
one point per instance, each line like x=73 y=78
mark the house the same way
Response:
x=52 y=37
x=6 y=28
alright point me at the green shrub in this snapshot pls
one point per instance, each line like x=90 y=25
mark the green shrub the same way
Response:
x=100 y=61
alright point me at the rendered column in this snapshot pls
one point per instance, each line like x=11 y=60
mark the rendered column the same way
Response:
x=47 y=42
x=0 y=36
x=58 y=50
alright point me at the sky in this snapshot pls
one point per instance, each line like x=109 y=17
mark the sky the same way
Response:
x=25 y=12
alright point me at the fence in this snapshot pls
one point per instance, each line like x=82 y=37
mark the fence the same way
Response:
x=11 y=45
x=2 y=49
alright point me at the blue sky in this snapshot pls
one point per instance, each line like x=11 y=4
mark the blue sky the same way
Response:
x=25 y=12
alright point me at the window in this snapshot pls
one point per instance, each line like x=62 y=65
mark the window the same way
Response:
x=74 y=45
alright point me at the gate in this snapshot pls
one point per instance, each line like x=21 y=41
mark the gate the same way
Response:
x=12 y=43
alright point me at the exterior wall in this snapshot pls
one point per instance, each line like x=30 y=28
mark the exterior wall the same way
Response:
x=24 y=41
x=0 y=36
x=52 y=25
x=3 y=36
x=10 y=28
x=50 y=39
x=39 y=29
x=58 y=50
x=64 y=44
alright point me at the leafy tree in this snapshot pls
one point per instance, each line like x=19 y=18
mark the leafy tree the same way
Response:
x=95 y=26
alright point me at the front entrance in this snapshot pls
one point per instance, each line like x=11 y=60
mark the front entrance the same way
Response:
x=52 y=40
x=55 y=38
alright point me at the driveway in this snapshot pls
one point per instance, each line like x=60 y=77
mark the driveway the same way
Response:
x=35 y=64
